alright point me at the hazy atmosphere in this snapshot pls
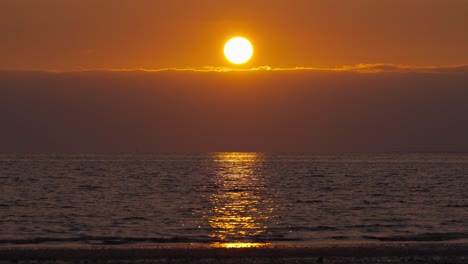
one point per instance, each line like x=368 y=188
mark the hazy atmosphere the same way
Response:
x=295 y=110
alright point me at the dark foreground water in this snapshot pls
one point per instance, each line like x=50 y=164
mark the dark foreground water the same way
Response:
x=232 y=199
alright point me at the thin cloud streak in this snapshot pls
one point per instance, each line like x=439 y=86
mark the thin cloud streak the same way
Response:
x=358 y=68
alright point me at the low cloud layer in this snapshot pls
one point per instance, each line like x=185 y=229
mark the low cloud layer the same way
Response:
x=359 y=68
x=363 y=108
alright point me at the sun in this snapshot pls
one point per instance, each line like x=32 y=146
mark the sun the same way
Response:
x=238 y=50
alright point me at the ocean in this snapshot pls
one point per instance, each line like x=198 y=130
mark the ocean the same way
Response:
x=232 y=199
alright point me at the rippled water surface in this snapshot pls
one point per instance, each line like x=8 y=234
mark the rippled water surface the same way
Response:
x=232 y=199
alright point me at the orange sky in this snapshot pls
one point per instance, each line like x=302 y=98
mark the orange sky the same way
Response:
x=152 y=34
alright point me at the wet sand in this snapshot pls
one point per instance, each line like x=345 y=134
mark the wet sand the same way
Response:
x=368 y=253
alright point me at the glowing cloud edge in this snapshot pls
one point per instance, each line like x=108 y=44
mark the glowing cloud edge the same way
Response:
x=358 y=68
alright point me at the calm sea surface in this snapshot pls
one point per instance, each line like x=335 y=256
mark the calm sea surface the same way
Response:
x=232 y=199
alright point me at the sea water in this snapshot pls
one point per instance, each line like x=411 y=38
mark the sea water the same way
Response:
x=222 y=199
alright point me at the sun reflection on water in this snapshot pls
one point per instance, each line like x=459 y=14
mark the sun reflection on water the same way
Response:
x=239 y=245
x=240 y=211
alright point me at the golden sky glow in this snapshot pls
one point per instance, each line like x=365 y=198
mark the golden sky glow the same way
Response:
x=156 y=34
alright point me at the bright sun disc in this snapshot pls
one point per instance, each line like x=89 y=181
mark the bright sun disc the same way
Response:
x=238 y=50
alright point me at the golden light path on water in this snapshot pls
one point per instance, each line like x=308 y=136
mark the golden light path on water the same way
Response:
x=239 y=213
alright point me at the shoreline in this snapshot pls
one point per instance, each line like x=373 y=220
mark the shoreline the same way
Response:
x=363 y=253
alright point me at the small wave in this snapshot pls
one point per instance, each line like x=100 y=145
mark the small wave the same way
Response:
x=317 y=176
x=89 y=187
x=100 y=240
x=309 y=201
x=107 y=240
x=421 y=237
x=458 y=205
x=315 y=228
x=236 y=190
x=357 y=208
x=134 y=218
x=339 y=237
x=387 y=220
x=377 y=226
